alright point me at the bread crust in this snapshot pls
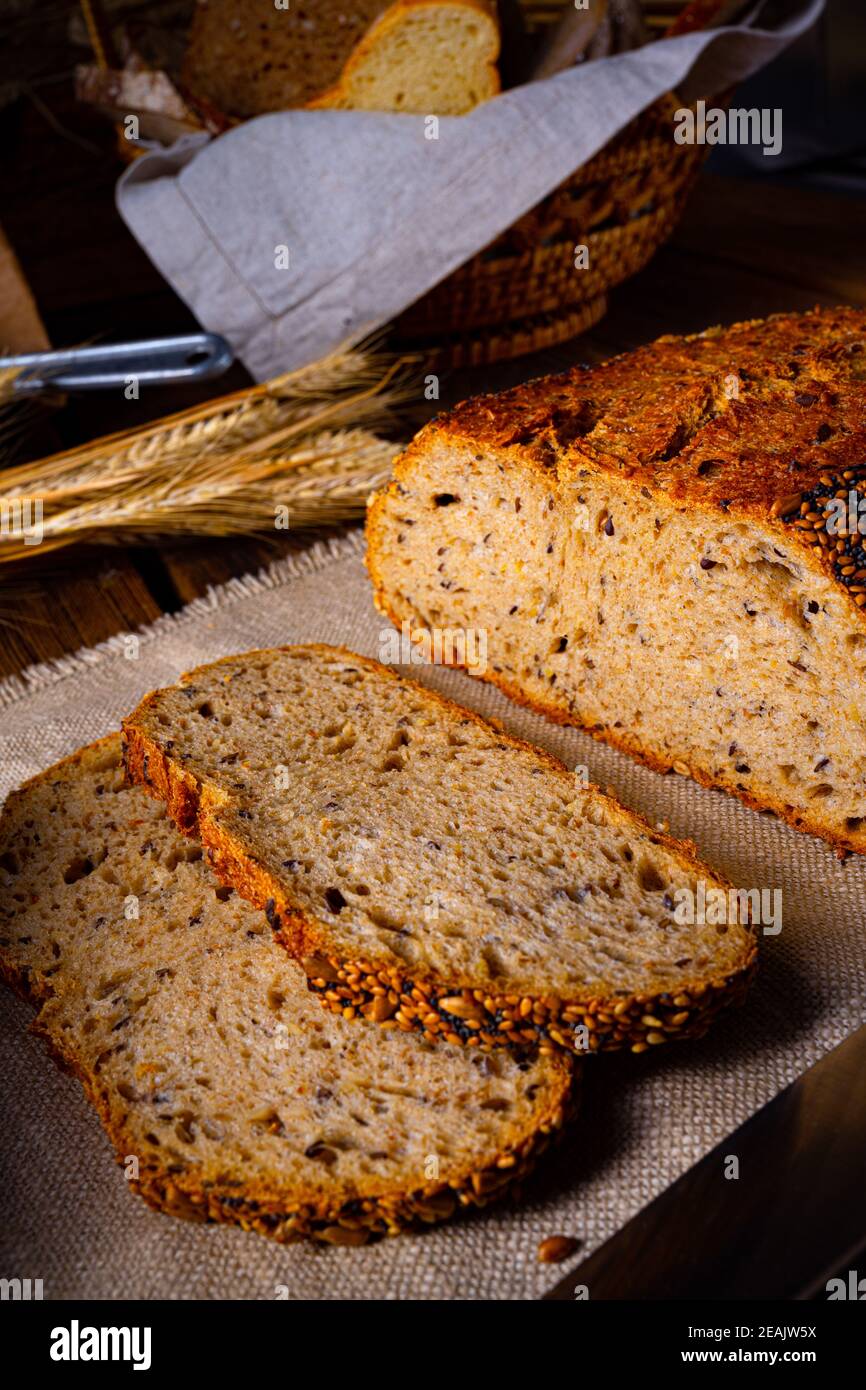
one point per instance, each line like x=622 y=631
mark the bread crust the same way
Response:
x=812 y=364
x=353 y=987
x=288 y=1217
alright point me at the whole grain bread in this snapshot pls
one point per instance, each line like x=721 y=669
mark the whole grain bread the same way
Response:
x=204 y=1054
x=427 y=869
x=667 y=550
x=430 y=56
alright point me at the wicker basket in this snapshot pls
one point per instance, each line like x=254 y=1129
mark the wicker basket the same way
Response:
x=522 y=292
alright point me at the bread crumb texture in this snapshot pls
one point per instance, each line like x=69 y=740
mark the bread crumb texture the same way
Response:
x=208 y=1059
x=668 y=550
x=430 y=872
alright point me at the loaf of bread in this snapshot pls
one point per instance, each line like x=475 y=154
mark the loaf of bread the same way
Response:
x=426 y=869
x=667 y=550
x=227 y=1092
x=436 y=57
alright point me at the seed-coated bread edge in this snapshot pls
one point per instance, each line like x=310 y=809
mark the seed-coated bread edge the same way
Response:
x=353 y=1222
x=439 y=1009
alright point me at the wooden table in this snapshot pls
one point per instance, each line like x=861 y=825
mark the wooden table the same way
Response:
x=743 y=249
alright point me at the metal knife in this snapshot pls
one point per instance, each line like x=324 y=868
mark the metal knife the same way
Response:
x=192 y=357
x=794 y=1217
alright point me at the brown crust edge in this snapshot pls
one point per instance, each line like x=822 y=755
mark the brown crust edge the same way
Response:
x=634 y=1021
x=352 y=1222
x=360 y=1219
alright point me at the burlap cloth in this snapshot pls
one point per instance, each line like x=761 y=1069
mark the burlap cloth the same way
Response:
x=65 y=1214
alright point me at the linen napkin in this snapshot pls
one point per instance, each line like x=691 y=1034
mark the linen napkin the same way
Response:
x=296 y=231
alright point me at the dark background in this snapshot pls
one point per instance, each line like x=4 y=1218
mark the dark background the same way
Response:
x=820 y=84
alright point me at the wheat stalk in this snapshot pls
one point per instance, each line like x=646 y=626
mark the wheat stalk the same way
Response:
x=305 y=443
x=18 y=413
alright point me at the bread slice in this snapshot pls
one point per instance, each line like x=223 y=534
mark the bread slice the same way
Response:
x=426 y=869
x=652 y=548
x=431 y=56
x=205 y=1056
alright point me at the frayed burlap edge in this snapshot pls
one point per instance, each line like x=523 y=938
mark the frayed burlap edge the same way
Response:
x=316 y=557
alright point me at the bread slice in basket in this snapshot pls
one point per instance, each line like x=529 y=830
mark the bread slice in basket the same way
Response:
x=206 y=1057
x=669 y=550
x=429 y=871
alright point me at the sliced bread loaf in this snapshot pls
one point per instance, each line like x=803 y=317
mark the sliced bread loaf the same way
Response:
x=669 y=550
x=428 y=870
x=207 y=1059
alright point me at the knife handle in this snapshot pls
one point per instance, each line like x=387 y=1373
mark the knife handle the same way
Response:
x=163 y=361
